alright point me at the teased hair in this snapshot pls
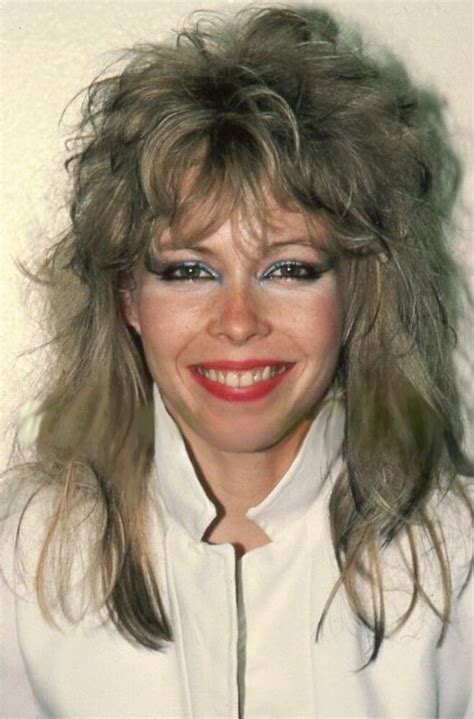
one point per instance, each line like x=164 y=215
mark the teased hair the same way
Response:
x=268 y=104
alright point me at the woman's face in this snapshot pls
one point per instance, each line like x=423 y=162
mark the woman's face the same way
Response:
x=241 y=338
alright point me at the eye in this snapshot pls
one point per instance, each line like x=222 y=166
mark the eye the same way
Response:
x=188 y=271
x=296 y=270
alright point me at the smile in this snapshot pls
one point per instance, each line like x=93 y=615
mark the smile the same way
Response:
x=240 y=381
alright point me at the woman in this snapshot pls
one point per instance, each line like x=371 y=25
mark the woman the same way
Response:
x=245 y=485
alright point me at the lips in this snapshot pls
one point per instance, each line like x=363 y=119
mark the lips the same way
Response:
x=240 y=380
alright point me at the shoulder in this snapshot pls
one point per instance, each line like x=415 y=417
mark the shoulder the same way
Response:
x=41 y=526
x=431 y=558
x=24 y=512
x=23 y=519
x=444 y=531
x=454 y=658
x=452 y=515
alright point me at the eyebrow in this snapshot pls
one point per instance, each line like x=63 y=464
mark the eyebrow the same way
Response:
x=298 y=241
x=199 y=247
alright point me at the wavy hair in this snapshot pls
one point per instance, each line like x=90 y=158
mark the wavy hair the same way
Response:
x=268 y=103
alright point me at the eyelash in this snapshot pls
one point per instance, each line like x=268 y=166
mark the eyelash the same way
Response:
x=168 y=272
x=311 y=272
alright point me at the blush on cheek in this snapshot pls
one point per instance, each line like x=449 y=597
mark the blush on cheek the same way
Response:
x=332 y=321
x=322 y=320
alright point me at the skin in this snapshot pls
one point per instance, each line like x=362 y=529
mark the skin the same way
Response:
x=242 y=311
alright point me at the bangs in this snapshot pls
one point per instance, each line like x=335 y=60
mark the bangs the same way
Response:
x=211 y=183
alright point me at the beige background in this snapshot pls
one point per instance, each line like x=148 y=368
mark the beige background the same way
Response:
x=50 y=50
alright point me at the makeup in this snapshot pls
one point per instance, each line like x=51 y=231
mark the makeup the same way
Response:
x=245 y=381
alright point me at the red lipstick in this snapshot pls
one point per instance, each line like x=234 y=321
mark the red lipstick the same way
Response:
x=240 y=394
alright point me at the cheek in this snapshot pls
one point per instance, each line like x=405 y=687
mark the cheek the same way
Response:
x=329 y=321
x=318 y=323
x=166 y=326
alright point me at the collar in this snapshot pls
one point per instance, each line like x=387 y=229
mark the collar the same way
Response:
x=185 y=500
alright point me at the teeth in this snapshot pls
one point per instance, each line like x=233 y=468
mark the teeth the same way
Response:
x=247 y=379
x=242 y=379
x=232 y=379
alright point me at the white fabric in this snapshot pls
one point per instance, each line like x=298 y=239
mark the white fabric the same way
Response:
x=244 y=635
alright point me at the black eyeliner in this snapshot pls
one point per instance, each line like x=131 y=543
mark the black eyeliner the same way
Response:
x=314 y=270
x=165 y=270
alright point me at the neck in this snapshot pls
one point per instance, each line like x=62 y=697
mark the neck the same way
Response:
x=238 y=481
x=235 y=482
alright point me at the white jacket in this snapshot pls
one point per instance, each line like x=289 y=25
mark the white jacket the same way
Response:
x=244 y=632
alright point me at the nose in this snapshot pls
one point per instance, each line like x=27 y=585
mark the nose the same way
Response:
x=239 y=314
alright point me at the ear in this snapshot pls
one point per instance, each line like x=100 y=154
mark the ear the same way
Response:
x=129 y=310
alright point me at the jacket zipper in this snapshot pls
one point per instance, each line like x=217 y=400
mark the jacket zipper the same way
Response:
x=241 y=638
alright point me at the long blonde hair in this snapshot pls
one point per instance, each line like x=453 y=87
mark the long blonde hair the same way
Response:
x=269 y=101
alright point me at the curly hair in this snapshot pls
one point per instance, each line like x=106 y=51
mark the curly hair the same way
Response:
x=268 y=103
